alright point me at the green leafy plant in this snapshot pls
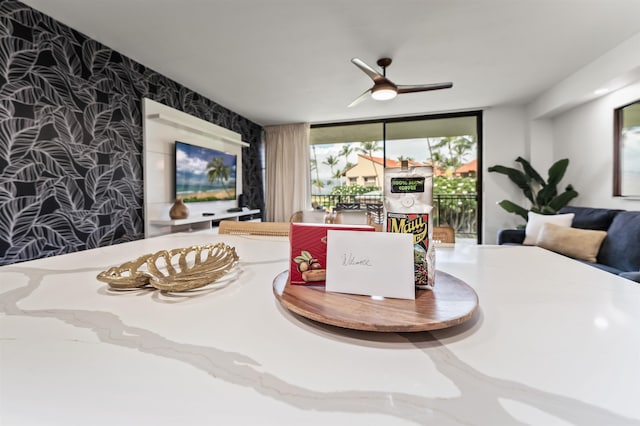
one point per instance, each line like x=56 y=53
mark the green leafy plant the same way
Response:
x=353 y=189
x=543 y=195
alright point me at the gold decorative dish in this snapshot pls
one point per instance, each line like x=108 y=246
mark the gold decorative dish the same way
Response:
x=129 y=275
x=190 y=268
x=173 y=270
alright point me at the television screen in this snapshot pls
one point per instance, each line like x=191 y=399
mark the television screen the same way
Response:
x=204 y=174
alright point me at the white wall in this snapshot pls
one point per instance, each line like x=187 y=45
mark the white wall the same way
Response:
x=585 y=136
x=505 y=139
x=566 y=121
x=616 y=69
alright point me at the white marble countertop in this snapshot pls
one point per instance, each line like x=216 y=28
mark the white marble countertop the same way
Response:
x=555 y=342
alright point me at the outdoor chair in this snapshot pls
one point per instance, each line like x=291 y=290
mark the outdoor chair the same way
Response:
x=347 y=206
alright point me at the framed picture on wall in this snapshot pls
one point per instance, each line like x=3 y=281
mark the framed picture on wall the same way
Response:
x=626 y=156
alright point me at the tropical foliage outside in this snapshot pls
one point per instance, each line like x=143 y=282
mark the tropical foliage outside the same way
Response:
x=454 y=196
x=328 y=171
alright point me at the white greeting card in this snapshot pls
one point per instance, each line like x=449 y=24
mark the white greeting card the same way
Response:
x=370 y=263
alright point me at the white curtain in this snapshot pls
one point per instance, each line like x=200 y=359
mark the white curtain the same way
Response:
x=288 y=175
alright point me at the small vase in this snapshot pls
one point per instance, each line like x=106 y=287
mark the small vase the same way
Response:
x=179 y=210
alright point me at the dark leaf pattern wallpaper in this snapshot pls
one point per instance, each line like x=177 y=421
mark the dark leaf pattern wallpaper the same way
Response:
x=71 y=138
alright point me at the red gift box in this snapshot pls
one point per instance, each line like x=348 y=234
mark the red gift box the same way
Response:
x=309 y=250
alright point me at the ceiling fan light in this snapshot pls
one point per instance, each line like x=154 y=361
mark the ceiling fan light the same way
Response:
x=383 y=94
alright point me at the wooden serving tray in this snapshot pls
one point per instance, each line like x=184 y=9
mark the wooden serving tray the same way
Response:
x=452 y=302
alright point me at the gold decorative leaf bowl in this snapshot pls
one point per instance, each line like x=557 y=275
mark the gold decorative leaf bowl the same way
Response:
x=129 y=275
x=174 y=270
x=192 y=267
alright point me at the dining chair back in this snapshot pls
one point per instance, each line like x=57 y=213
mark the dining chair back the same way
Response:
x=296 y=216
x=443 y=234
x=235 y=227
x=309 y=216
x=375 y=216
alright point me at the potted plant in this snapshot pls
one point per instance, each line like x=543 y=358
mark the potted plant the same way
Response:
x=543 y=195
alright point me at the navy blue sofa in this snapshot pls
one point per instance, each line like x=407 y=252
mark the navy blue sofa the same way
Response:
x=620 y=250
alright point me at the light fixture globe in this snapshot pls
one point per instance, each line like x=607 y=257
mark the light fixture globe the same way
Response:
x=383 y=92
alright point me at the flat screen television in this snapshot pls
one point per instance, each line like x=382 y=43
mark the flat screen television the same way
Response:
x=204 y=174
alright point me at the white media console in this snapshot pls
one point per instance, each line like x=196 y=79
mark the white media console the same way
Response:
x=163 y=126
x=200 y=222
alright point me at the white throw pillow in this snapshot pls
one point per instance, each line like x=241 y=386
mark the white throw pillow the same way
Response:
x=535 y=222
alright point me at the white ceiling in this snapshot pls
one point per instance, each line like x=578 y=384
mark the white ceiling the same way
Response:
x=287 y=61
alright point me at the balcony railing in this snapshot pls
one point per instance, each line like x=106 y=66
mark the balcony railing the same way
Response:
x=456 y=210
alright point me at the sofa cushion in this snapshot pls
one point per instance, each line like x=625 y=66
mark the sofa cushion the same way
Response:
x=633 y=276
x=621 y=247
x=573 y=242
x=535 y=222
x=591 y=218
x=602 y=267
x=510 y=236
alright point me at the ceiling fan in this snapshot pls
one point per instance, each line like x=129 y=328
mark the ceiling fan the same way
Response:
x=384 y=89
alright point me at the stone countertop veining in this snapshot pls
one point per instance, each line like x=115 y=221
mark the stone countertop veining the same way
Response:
x=557 y=345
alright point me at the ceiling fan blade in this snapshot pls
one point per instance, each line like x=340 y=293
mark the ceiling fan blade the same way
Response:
x=360 y=98
x=373 y=74
x=412 y=88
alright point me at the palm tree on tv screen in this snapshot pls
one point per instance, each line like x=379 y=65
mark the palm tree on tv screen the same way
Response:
x=217 y=170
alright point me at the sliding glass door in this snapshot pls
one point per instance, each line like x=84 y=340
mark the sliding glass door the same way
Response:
x=348 y=161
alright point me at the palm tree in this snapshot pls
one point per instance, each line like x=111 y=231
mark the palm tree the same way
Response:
x=457 y=147
x=217 y=170
x=332 y=162
x=314 y=166
x=455 y=150
x=318 y=184
x=430 y=143
x=462 y=146
x=345 y=152
x=437 y=161
x=403 y=158
x=368 y=148
x=338 y=175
